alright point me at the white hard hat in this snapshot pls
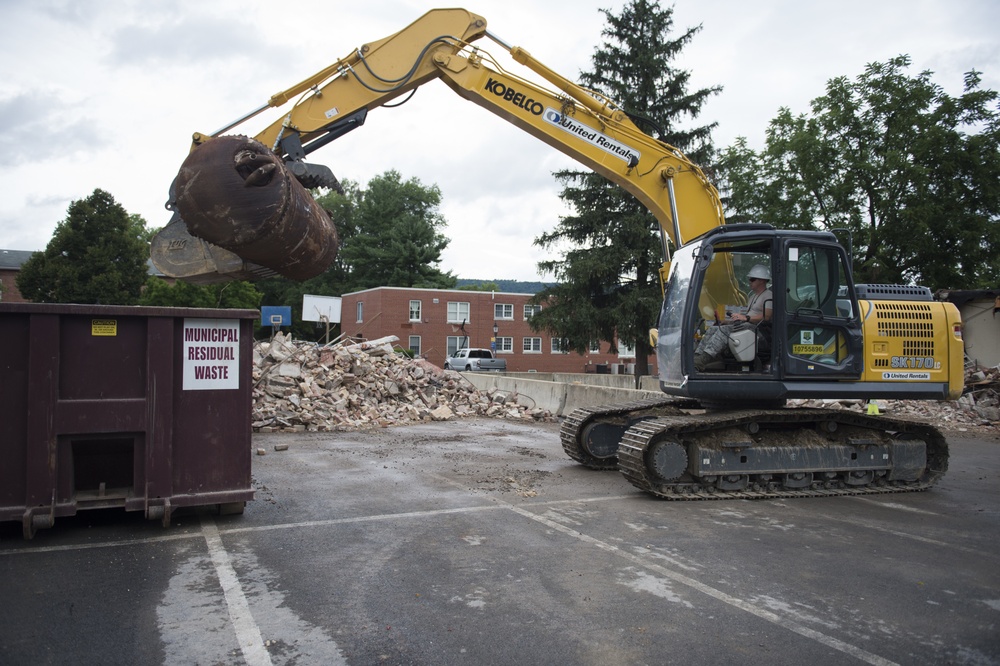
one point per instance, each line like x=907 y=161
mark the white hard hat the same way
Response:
x=760 y=271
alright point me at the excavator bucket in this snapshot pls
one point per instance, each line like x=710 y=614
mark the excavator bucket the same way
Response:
x=240 y=213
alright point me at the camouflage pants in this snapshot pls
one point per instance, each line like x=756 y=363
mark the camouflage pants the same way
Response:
x=716 y=340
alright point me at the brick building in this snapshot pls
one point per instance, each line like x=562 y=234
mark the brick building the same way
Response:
x=10 y=265
x=436 y=322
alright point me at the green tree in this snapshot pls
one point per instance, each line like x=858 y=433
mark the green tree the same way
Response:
x=98 y=254
x=395 y=237
x=159 y=292
x=607 y=282
x=481 y=286
x=911 y=172
x=139 y=228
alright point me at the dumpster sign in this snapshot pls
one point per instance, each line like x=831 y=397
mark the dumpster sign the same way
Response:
x=211 y=354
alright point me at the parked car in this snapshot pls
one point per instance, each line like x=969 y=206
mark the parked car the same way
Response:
x=475 y=359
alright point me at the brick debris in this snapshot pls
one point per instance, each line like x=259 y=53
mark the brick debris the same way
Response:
x=979 y=406
x=302 y=386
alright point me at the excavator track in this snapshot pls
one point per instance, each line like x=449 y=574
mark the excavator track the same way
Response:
x=767 y=454
x=590 y=435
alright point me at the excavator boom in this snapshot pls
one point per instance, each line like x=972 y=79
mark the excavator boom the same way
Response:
x=228 y=226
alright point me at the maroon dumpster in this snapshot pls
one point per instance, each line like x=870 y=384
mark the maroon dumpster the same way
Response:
x=147 y=409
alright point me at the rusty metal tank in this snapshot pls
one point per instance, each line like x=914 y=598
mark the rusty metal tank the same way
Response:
x=235 y=193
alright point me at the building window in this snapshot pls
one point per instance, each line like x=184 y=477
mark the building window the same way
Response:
x=531 y=310
x=503 y=311
x=456 y=342
x=595 y=346
x=457 y=312
x=361 y=311
x=626 y=350
x=415 y=344
x=415 y=311
x=505 y=345
x=532 y=346
x=559 y=346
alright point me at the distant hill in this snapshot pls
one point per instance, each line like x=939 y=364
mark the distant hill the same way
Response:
x=510 y=286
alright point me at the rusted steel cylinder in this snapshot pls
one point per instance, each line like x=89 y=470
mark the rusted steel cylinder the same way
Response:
x=235 y=193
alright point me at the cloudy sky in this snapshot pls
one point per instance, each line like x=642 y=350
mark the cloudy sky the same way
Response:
x=107 y=94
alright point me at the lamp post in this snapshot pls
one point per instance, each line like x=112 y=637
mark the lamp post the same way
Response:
x=493 y=344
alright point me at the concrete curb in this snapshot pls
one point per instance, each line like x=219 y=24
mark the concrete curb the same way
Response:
x=646 y=383
x=558 y=397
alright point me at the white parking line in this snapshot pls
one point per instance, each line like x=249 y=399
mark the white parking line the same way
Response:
x=742 y=605
x=247 y=631
x=103 y=544
x=254 y=528
x=892 y=505
x=819 y=637
x=362 y=519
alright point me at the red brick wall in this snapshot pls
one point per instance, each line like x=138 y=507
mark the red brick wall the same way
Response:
x=9 y=293
x=386 y=312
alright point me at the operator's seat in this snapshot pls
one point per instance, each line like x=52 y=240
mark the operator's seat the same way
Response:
x=748 y=347
x=765 y=331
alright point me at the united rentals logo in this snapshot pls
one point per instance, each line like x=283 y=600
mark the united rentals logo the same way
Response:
x=592 y=136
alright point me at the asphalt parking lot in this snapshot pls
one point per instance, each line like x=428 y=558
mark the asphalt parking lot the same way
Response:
x=479 y=542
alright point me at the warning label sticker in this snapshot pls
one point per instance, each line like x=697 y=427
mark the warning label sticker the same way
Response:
x=104 y=327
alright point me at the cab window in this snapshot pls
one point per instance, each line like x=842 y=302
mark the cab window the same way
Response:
x=817 y=282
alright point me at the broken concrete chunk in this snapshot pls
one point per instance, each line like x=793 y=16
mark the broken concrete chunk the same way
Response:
x=288 y=369
x=442 y=413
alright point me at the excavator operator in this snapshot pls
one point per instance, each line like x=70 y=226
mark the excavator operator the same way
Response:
x=758 y=310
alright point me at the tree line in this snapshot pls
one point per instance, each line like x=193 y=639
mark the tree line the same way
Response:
x=909 y=171
x=390 y=231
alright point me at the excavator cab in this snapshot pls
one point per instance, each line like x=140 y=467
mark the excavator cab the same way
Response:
x=814 y=333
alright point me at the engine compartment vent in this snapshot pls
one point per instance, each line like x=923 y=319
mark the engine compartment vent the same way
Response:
x=893 y=292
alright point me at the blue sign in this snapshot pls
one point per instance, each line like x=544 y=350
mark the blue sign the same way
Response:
x=276 y=315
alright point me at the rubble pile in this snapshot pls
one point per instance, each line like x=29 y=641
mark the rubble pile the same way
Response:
x=979 y=405
x=302 y=386
x=307 y=387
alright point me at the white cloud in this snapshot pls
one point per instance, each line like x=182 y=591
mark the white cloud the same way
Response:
x=107 y=95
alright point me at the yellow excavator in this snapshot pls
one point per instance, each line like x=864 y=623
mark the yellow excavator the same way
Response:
x=721 y=430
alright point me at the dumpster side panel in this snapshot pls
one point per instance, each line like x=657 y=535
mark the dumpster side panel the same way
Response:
x=102 y=357
x=160 y=411
x=40 y=454
x=212 y=430
x=14 y=334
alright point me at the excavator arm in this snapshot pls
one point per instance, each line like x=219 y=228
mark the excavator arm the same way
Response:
x=439 y=45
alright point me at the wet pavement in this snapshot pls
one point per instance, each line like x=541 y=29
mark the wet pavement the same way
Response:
x=479 y=541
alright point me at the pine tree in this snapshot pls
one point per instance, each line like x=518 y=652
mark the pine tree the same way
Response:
x=608 y=286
